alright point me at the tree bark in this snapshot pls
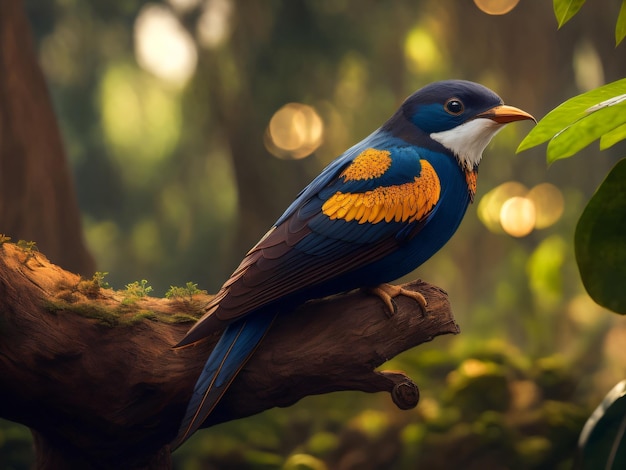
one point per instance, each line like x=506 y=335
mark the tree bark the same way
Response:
x=92 y=371
x=37 y=198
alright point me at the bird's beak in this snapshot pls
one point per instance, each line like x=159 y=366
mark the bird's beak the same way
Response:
x=504 y=114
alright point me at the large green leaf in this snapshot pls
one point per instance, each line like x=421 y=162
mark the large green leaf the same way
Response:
x=592 y=126
x=620 y=27
x=564 y=10
x=611 y=138
x=593 y=113
x=600 y=242
x=602 y=443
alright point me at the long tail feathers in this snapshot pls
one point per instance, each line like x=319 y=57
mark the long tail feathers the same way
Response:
x=232 y=351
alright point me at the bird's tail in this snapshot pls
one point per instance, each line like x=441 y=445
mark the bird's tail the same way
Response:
x=232 y=351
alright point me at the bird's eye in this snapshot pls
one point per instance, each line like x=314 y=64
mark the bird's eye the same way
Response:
x=454 y=106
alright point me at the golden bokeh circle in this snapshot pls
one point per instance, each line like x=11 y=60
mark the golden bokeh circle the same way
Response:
x=549 y=204
x=294 y=131
x=518 y=216
x=496 y=7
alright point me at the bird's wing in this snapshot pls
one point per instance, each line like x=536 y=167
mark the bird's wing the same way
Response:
x=358 y=215
x=230 y=354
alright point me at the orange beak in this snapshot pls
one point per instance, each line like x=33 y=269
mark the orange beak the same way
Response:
x=503 y=114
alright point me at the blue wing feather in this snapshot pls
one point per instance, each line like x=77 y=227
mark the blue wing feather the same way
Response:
x=235 y=346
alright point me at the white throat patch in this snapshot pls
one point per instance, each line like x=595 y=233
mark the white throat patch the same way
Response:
x=468 y=141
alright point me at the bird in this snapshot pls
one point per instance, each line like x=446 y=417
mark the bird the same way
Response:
x=373 y=215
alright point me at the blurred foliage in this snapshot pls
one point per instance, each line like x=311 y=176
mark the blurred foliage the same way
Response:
x=494 y=410
x=176 y=181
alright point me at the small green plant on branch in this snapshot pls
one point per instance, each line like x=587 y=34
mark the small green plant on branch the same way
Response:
x=91 y=287
x=27 y=246
x=98 y=279
x=185 y=293
x=135 y=291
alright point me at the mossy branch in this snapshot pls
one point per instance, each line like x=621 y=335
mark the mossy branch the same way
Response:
x=96 y=379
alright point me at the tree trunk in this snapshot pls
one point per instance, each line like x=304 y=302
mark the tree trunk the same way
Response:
x=37 y=199
x=92 y=371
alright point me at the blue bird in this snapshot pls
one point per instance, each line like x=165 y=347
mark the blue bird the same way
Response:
x=374 y=214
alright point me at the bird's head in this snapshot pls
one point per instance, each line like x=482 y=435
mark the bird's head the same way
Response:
x=462 y=116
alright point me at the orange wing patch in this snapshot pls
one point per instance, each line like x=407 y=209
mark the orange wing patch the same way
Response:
x=406 y=202
x=370 y=163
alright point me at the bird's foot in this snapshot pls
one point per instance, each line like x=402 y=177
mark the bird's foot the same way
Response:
x=387 y=292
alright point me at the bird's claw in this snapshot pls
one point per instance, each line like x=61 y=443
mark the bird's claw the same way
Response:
x=386 y=293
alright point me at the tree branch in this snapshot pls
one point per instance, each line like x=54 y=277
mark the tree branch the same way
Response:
x=92 y=371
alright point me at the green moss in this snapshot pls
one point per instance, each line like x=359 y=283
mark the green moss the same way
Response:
x=181 y=317
x=104 y=315
x=118 y=315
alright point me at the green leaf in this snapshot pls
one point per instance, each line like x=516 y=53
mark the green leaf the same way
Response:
x=600 y=244
x=583 y=132
x=620 y=27
x=602 y=443
x=564 y=10
x=571 y=111
x=611 y=138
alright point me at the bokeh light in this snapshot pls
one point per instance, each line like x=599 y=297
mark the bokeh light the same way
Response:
x=141 y=120
x=517 y=216
x=490 y=205
x=496 y=7
x=588 y=67
x=421 y=51
x=163 y=46
x=513 y=209
x=295 y=131
x=183 y=6
x=584 y=312
x=549 y=204
x=214 y=23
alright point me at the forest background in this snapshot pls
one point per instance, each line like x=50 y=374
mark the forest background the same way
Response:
x=189 y=125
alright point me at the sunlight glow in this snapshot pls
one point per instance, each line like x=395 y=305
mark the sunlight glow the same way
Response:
x=141 y=120
x=588 y=68
x=513 y=209
x=421 y=51
x=584 y=312
x=214 y=23
x=518 y=216
x=350 y=90
x=183 y=6
x=295 y=131
x=163 y=46
x=496 y=7
x=548 y=202
x=490 y=205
